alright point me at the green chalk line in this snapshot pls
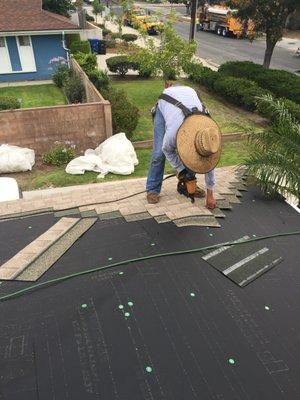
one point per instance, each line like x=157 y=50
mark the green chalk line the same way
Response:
x=117 y=264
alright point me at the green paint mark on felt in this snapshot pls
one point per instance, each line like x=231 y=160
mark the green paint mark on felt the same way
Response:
x=267 y=308
x=83 y=305
x=192 y=294
x=149 y=369
x=127 y=314
x=130 y=303
x=121 y=273
x=121 y=306
x=109 y=258
x=231 y=361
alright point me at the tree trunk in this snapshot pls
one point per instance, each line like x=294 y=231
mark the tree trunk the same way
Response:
x=269 y=51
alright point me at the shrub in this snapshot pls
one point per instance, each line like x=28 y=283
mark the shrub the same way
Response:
x=88 y=62
x=281 y=83
x=61 y=75
x=89 y=17
x=9 y=103
x=207 y=77
x=241 y=92
x=58 y=156
x=99 y=78
x=193 y=70
x=129 y=37
x=125 y=115
x=72 y=37
x=293 y=108
x=120 y=65
x=80 y=47
x=110 y=44
x=74 y=89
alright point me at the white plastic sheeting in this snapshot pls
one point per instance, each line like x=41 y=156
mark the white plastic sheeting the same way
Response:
x=9 y=189
x=116 y=155
x=15 y=159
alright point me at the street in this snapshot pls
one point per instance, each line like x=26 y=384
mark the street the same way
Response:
x=217 y=50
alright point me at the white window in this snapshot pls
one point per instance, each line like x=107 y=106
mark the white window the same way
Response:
x=5 y=64
x=26 y=54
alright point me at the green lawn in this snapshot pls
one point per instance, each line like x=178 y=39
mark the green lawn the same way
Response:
x=144 y=94
x=232 y=154
x=35 y=95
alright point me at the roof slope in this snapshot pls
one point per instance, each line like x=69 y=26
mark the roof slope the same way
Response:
x=27 y=15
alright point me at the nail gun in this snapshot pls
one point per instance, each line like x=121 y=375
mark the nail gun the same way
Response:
x=187 y=184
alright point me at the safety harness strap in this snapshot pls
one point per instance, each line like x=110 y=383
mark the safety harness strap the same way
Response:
x=186 y=111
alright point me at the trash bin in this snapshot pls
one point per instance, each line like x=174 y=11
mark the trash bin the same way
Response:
x=102 y=47
x=94 y=43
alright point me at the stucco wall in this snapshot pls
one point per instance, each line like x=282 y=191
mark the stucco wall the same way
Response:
x=45 y=48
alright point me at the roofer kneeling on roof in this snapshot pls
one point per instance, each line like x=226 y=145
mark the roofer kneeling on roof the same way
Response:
x=185 y=134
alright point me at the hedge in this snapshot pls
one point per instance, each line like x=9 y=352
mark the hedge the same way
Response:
x=100 y=79
x=239 y=91
x=9 y=103
x=120 y=65
x=80 y=47
x=129 y=37
x=280 y=83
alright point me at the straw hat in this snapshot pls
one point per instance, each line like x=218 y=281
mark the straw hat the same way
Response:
x=199 y=143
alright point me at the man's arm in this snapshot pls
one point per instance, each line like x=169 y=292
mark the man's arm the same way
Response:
x=170 y=151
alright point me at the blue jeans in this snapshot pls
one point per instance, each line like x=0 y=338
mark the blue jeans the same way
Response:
x=157 y=166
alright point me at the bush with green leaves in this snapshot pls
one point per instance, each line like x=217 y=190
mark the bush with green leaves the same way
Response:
x=88 y=62
x=239 y=91
x=9 y=103
x=105 y=31
x=281 y=83
x=274 y=153
x=115 y=35
x=208 y=77
x=58 y=156
x=125 y=115
x=61 y=74
x=129 y=37
x=120 y=64
x=193 y=70
x=82 y=46
x=100 y=79
x=74 y=89
x=89 y=17
x=72 y=37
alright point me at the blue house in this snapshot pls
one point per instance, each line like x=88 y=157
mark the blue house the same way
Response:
x=30 y=38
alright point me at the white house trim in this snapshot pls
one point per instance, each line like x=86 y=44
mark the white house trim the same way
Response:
x=34 y=33
x=26 y=55
x=5 y=64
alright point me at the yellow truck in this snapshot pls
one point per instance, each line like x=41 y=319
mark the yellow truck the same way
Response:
x=223 y=21
x=131 y=17
x=151 y=24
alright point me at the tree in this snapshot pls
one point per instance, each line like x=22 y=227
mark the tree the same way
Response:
x=274 y=156
x=168 y=58
x=62 y=7
x=268 y=16
x=98 y=8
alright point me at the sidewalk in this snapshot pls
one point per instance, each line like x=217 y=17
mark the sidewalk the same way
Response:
x=172 y=206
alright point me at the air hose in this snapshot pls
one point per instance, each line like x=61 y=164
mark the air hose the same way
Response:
x=54 y=281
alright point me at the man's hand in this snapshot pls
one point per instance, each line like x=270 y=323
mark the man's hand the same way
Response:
x=210 y=200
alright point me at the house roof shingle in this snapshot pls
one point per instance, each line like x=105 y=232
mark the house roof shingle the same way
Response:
x=28 y=15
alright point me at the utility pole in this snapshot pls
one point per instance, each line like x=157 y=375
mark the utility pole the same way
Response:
x=193 y=20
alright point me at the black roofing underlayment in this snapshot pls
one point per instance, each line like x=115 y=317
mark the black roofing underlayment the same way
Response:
x=173 y=328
